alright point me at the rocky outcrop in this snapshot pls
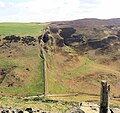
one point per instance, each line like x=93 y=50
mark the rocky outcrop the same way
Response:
x=94 y=43
x=54 y=30
x=12 y=38
x=45 y=38
x=102 y=43
x=67 y=32
x=27 y=40
x=27 y=110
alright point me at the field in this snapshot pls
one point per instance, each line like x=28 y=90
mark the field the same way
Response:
x=67 y=70
x=21 y=62
x=21 y=29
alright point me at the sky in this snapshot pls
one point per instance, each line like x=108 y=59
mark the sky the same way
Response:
x=57 y=10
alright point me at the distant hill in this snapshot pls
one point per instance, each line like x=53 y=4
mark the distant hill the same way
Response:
x=89 y=22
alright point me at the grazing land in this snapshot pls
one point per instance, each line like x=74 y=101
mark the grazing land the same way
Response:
x=20 y=64
x=21 y=29
x=65 y=60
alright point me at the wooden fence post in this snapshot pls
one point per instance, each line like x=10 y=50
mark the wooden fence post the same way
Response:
x=104 y=97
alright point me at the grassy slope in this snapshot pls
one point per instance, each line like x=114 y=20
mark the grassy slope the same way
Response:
x=33 y=83
x=74 y=73
x=80 y=75
x=15 y=102
x=69 y=72
x=64 y=73
x=22 y=57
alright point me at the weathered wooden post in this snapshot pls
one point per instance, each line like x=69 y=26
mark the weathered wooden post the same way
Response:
x=104 y=98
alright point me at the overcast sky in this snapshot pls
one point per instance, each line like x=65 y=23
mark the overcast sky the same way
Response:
x=55 y=10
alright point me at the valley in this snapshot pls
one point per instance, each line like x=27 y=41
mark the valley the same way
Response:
x=65 y=61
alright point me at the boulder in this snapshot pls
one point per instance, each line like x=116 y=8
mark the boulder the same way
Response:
x=29 y=110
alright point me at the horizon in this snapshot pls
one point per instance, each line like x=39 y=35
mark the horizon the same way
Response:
x=55 y=10
x=57 y=20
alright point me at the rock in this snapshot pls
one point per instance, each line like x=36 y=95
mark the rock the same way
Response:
x=93 y=108
x=67 y=32
x=29 y=40
x=29 y=110
x=3 y=111
x=12 y=38
x=111 y=111
x=94 y=43
x=115 y=110
x=45 y=38
x=54 y=30
x=20 y=111
x=38 y=110
x=77 y=111
x=27 y=69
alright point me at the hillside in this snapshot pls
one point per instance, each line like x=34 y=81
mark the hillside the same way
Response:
x=20 y=65
x=64 y=60
x=80 y=54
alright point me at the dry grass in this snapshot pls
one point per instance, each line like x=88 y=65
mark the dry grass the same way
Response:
x=27 y=75
x=69 y=73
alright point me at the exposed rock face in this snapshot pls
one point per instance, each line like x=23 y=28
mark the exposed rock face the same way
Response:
x=27 y=40
x=45 y=38
x=66 y=33
x=83 y=42
x=86 y=44
x=54 y=30
x=88 y=34
x=94 y=44
x=12 y=38
x=101 y=43
x=105 y=44
x=60 y=42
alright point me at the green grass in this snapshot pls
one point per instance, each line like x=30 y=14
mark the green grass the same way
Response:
x=58 y=88
x=68 y=49
x=114 y=106
x=82 y=69
x=21 y=29
x=6 y=63
x=33 y=85
x=54 y=86
x=22 y=57
x=23 y=103
x=33 y=80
